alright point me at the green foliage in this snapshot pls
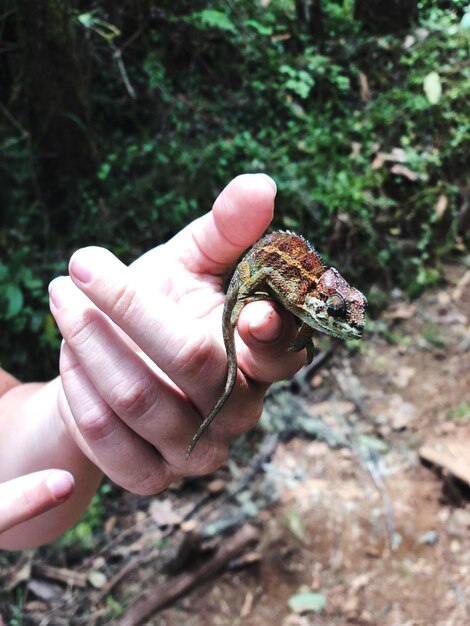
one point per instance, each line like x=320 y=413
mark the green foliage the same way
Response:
x=115 y=609
x=367 y=137
x=460 y=413
x=24 y=313
x=83 y=531
x=211 y=18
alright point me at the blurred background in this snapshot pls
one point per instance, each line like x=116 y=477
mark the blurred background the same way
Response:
x=119 y=124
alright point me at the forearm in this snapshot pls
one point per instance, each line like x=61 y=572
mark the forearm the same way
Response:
x=33 y=437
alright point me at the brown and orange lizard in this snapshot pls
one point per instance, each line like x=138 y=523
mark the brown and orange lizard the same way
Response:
x=286 y=268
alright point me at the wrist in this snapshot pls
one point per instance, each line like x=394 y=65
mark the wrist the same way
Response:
x=30 y=419
x=34 y=437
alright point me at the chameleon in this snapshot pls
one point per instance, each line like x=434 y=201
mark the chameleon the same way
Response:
x=286 y=268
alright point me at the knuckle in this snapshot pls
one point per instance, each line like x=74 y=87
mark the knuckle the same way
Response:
x=121 y=301
x=82 y=330
x=135 y=399
x=197 y=357
x=149 y=487
x=151 y=483
x=95 y=424
x=68 y=366
x=213 y=457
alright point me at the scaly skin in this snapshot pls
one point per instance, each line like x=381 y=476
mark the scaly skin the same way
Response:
x=286 y=268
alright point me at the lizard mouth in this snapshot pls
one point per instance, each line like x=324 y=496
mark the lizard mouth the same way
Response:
x=357 y=332
x=318 y=316
x=346 y=331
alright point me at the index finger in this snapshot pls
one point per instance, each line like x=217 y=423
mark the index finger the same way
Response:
x=239 y=216
x=28 y=496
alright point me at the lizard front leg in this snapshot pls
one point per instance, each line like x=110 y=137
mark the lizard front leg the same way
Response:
x=269 y=278
x=304 y=340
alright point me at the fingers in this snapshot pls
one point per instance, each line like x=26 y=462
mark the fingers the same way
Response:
x=104 y=437
x=266 y=329
x=28 y=496
x=179 y=345
x=240 y=215
x=184 y=348
x=120 y=407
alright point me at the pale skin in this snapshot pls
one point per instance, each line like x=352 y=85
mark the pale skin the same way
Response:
x=141 y=363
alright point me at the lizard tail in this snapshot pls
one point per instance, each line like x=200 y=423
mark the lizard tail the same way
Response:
x=230 y=315
x=230 y=382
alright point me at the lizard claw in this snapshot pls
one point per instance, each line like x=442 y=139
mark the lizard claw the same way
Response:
x=299 y=344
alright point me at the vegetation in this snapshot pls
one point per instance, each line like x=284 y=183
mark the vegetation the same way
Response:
x=120 y=123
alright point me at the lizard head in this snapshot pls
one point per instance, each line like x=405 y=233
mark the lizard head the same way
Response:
x=337 y=308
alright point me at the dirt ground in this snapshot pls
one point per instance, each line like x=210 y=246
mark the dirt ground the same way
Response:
x=368 y=522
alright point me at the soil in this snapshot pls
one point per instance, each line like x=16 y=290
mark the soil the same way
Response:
x=372 y=516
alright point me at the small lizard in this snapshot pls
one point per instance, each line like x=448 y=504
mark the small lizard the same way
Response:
x=286 y=268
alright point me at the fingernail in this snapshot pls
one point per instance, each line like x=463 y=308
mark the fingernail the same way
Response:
x=60 y=483
x=79 y=267
x=270 y=181
x=56 y=291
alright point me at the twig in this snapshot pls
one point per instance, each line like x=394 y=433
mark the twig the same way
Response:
x=23 y=133
x=117 y=53
x=393 y=540
x=61 y=574
x=118 y=539
x=161 y=595
x=137 y=561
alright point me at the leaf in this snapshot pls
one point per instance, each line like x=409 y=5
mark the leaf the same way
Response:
x=101 y=27
x=465 y=21
x=104 y=170
x=296 y=525
x=3 y=271
x=85 y=19
x=432 y=87
x=303 y=602
x=164 y=513
x=261 y=29
x=373 y=443
x=210 y=18
x=97 y=579
x=14 y=297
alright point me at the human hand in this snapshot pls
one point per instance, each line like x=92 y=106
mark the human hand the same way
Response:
x=24 y=498
x=143 y=360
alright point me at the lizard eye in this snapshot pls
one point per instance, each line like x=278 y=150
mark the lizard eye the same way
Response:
x=336 y=306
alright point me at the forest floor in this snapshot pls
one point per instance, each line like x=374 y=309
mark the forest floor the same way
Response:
x=353 y=509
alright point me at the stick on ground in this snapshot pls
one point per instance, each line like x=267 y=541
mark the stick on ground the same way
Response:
x=159 y=596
